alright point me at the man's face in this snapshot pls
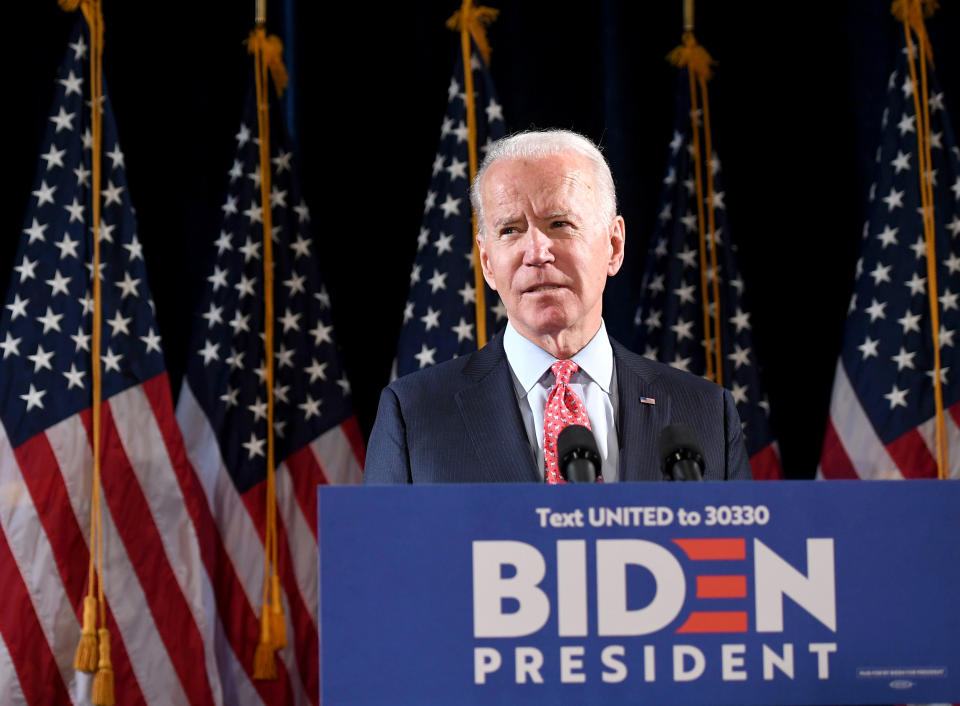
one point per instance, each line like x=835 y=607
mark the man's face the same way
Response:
x=546 y=248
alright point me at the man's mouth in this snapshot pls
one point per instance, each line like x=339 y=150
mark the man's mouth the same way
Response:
x=543 y=288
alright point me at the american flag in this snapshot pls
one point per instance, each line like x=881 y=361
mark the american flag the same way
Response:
x=159 y=619
x=439 y=319
x=222 y=411
x=669 y=320
x=882 y=411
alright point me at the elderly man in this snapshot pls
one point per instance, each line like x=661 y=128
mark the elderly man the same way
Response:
x=549 y=236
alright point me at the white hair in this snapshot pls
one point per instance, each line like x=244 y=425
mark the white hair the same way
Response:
x=536 y=144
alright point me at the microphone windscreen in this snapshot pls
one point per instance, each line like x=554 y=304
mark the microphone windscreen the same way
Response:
x=676 y=437
x=576 y=438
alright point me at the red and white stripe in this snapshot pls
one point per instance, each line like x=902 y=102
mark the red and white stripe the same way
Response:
x=8 y=678
x=160 y=608
x=852 y=449
x=765 y=464
x=334 y=457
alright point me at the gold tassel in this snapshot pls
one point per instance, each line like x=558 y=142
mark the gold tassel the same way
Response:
x=69 y=5
x=85 y=659
x=103 y=682
x=264 y=660
x=278 y=625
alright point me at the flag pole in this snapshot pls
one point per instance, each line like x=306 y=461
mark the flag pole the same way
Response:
x=267 y=52
x=471 y=22
x=93 y=650
x=480 y=300
x=707 y=160
x=697 y=61
x=911 y=13
x=94 y=20
x=103 y=681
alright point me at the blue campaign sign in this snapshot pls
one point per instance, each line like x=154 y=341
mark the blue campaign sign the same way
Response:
x=722 y=593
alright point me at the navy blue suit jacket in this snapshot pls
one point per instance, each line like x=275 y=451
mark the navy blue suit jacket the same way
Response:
x=459 y=422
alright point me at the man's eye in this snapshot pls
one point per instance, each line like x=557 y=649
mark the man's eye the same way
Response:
x=509 y=230
x=560 y=224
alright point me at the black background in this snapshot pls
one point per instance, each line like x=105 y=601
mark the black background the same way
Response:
x=795 y=109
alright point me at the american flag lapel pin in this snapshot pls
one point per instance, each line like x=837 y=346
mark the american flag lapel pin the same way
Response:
x=647 y=400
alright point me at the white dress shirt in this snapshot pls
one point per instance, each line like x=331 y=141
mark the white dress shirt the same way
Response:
x=595 y=383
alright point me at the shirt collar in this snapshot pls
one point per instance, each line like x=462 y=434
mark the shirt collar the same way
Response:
x=529 y=361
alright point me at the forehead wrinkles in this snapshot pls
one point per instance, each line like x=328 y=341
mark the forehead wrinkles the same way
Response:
x=576 y=181
x=548 y=191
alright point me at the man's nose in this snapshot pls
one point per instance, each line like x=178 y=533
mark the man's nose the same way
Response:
x=537 y=249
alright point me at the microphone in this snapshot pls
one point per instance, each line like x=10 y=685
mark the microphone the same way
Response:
x=577 y=455
x=680 y=454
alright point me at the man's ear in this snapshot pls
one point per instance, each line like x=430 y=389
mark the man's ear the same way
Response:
x=485 y=263
x=617 y=235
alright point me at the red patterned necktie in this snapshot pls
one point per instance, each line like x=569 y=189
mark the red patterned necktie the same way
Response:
x=563 y=408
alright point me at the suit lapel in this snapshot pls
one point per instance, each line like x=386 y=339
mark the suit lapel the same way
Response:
x=490 y=413
x=639 y=423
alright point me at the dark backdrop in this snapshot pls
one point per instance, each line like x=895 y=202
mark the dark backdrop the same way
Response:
x=795 y=109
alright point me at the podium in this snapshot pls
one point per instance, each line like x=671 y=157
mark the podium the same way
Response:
x=794 y=592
